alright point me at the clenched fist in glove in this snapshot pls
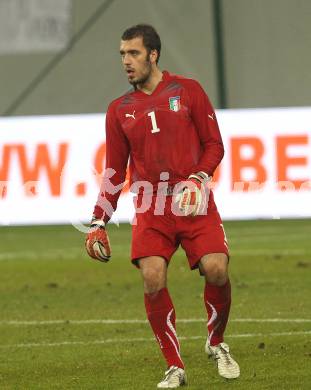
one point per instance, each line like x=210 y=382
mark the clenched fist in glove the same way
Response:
x=97 y=241
x=194 y=196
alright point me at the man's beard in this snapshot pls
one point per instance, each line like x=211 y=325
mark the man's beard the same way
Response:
x=144 y=77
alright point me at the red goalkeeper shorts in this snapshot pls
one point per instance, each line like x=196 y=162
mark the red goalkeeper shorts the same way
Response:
x=161 y=235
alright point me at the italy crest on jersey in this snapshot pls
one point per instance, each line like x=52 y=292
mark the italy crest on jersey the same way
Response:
x=174 y=103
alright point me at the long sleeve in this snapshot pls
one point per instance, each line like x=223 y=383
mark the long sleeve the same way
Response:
x=117 y=154
x=204 y=118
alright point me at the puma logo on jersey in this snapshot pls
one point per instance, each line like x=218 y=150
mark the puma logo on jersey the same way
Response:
x=130 y=115
x=211 y=116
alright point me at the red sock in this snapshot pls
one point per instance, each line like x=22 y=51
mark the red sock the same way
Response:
x=161 y=315
x=217 y=300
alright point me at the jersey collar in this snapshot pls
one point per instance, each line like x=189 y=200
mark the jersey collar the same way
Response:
x=159 y=87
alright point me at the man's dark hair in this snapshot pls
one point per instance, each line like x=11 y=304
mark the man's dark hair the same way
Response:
x=151 y=38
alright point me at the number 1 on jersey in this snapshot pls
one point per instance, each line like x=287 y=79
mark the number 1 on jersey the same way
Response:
x=155 y=128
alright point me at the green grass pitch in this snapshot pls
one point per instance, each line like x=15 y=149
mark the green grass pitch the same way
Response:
x=55 y=303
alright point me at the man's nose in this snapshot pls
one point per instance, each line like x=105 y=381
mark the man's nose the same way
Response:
x=126 y=59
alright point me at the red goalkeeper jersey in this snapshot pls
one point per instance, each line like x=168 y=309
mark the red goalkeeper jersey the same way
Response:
x=173 y=130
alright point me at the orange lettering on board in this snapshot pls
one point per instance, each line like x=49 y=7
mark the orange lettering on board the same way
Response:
x=284 y=161
x=43 y=162
x=99 y=163
x=216 y=174
x=238 y=162
x=4 y=169
x=100 y=159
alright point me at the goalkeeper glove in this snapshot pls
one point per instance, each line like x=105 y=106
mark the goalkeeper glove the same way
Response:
x=97 y=241
x=193 y=198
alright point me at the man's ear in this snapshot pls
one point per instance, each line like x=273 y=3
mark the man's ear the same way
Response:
x=153 y=56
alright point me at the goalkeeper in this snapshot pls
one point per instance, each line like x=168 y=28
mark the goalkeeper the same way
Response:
x=167 y=127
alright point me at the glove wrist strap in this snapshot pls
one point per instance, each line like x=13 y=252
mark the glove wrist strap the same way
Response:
x=97 y=223
x=203 y=177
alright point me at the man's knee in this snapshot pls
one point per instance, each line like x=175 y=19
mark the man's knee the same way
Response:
x=214 y=267
x=153 y=271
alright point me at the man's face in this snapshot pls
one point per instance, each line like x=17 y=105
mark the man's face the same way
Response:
x=136 y=60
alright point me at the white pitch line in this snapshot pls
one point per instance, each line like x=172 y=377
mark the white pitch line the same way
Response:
x=142 y=339
x=75 y=251
x=140 y=321
x=31 y=255
x=277 y=320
